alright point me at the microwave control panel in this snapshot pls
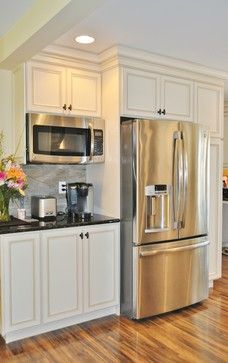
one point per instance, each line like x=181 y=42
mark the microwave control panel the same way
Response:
x=98 y=142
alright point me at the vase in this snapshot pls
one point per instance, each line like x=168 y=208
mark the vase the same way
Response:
x=4 y=207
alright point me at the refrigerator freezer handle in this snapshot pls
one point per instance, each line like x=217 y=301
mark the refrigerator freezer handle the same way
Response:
x=174 y=249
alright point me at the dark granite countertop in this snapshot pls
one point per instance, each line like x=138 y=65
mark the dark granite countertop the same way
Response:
x=60 y=222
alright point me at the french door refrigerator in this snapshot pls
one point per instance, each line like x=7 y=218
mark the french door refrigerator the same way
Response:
x=164 y=218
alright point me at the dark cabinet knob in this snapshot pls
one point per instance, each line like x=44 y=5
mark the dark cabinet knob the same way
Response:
x=65 y=106
x=164 y=111
x=87 y=234
x=159 y=111
x=70 y=108
x=81 y=235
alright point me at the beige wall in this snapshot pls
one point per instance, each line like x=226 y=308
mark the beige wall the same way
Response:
x=6 y=108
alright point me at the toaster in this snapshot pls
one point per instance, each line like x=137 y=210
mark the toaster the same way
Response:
x=43 y=207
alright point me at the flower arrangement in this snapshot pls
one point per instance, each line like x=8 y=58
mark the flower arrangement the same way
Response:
x=12 y=182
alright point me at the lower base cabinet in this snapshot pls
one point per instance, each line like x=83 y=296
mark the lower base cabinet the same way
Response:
x=101 y=269
x=62 y=289
x=20 y=281
x=56 y=278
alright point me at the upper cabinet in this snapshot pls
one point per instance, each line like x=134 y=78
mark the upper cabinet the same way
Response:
x=177 y=98
x=57 y=89
x=147 y=94
x=209 y=106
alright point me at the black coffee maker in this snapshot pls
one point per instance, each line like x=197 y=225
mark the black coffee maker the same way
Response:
x=79 y=200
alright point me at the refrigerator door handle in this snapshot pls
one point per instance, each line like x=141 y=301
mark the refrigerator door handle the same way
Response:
x=174 y=249
x=177 y=177
x=184 y=181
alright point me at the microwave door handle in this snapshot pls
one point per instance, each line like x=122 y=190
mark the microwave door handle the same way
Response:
x=92 y=141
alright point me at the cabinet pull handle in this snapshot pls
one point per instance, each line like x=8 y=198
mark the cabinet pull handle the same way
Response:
x=81 y=235
x=159 y=111
x=87 y=234
x=70 y=108
x=65 y=106
x=164 y=111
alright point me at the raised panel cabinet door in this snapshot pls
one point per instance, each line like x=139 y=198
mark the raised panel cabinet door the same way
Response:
x=83 y=92
x=140 y=93
x=209 y=107
x=215 y=209
x=20 y=280
x=101 y=267
x=61 y=274
x=46 y=87
x=177 y=98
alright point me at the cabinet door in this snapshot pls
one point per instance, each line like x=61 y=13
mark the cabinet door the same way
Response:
x=177 y=98
x=140 y=93
x=84 y=92
x=209 y=107
x=62 y=274
x=215 y=214
x=101 y=267
x=46 y=86
x=20 y=280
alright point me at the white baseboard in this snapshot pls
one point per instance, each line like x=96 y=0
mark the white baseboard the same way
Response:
x=46 y=327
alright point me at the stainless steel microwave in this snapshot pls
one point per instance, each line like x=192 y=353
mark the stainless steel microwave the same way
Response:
x=59 y=139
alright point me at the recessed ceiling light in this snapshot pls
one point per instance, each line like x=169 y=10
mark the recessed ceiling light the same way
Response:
x=84 y=39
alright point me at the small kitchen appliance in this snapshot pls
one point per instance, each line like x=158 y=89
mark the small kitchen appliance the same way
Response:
x=79 y=200
x=56 y=139
x=43 y=207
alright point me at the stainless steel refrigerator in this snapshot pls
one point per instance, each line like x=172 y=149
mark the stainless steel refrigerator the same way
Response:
x=164 y=218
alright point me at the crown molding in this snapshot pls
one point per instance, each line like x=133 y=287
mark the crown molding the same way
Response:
x=69 y=57
x=126 y=53
x=120 y=55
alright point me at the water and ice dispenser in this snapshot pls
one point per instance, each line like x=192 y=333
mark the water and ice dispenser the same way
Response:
x=157 y=207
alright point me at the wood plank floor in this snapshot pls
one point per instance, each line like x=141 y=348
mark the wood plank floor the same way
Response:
x=195 y=334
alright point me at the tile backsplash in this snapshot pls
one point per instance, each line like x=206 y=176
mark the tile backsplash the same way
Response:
x=44 y=180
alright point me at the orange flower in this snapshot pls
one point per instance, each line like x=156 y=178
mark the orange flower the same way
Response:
x=15 y=173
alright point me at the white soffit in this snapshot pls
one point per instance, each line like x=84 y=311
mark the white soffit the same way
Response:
x=11 y=11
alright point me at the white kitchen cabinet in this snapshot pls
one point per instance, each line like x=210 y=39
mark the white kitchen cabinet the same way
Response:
x=215 y=209
x=140 y=93
x=84 y=92
x=20 y=275
x=209 y=107
x=70 y=289
x=177 y=98
x=58 y=89
x=46 y=87
x=55 y=278
x=61 y=274
x=101 y=267
x=146 y=94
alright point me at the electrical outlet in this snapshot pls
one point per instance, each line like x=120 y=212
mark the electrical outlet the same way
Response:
x=62 y=187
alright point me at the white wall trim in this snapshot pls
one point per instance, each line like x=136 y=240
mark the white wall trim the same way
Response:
x=121 y=55
x=126 y=52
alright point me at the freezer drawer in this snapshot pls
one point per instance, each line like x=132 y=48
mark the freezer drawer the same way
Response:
x=169 y=276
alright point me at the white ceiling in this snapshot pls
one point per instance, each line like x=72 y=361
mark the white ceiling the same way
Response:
x=193 y=30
